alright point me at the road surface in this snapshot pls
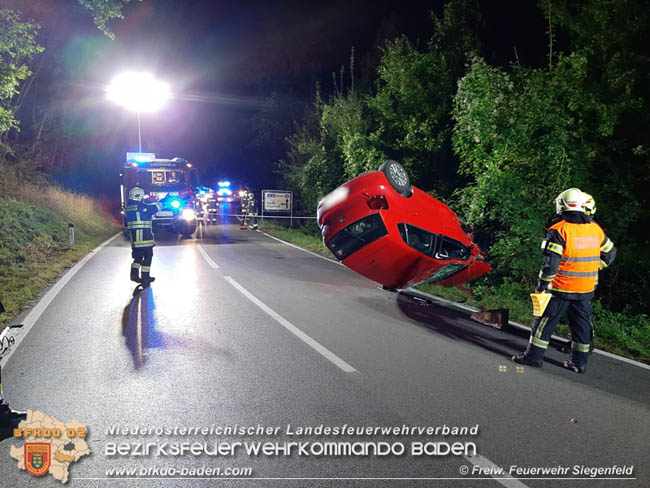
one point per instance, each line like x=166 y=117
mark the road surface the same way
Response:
x=242 y=330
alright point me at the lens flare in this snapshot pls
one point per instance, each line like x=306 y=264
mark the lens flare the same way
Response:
x=140 y=92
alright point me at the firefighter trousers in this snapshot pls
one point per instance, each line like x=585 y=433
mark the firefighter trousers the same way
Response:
x=142 y=257
x=579 y=314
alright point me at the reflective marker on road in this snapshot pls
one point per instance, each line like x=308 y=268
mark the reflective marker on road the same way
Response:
x=322 y=350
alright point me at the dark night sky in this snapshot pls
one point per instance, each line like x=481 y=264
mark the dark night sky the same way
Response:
x=222 y=58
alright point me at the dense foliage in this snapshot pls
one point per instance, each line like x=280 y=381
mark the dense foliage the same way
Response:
x=499 y=141
x=17 y=47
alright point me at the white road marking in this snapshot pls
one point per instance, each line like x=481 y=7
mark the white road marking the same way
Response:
x=207 y=258
x=302 y=249
x=319 y=348
x=519 y=326
x=500 y=475
x=38 y=309
x=620 y=358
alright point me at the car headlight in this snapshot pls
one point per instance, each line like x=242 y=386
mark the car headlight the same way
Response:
x=188 y=214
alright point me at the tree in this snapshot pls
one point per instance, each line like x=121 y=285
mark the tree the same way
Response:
x=103 y=11
x=614 y=36
x=17 y=47
x=521 y=137
x=35 y=94
x=415 y=88
x=312 y=168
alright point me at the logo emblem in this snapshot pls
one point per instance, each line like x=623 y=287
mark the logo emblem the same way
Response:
x=37 y=458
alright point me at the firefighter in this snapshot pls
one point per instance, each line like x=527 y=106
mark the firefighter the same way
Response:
x=574 y=249
x=248 y=209
x=139 y=216
x=9 y=418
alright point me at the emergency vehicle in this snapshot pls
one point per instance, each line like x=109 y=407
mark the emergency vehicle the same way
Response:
x=171 y=182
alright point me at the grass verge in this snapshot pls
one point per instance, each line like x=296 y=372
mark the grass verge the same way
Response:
x=618 y=332
x=34 y=239
x=299 y=236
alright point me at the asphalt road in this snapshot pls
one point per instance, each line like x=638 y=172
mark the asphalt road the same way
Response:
x=240 y=329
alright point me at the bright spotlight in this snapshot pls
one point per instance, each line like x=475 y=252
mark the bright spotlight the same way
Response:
x=140 y=92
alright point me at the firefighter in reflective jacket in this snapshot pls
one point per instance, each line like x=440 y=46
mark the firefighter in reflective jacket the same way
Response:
x=574 y=249
x=139 y=216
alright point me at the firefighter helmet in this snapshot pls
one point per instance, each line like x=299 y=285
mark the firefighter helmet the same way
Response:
x=136 y=194
x=590 y=205
x=571 y=200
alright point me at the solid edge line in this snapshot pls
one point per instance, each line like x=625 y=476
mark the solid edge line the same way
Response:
x=468 y=308
x=301 y=248
x=319 y=348
x=207 y=258
x=37 y=310
x=525 y=327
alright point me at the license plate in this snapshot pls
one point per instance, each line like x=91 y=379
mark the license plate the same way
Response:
x=165 y=213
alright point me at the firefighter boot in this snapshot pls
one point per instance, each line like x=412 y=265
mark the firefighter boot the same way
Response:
x=135 y=274
x=576 y=368
x=523 y=358
x=146 y=278
x=9 y=420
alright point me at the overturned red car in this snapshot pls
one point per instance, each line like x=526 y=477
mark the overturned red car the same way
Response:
x=395 y=234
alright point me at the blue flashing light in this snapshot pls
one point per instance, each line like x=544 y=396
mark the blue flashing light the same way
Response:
x=175 y=203
x=223 y=184
x=140 y=157
x=224 y=191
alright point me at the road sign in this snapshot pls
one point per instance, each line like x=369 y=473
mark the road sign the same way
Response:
x=277 y=201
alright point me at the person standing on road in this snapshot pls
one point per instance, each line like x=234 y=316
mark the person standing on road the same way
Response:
x=574 y=249
x=139 y=217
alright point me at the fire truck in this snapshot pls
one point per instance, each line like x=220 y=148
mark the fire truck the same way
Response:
x=172 y=182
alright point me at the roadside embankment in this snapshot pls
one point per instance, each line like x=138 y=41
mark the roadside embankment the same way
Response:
x=34 y=247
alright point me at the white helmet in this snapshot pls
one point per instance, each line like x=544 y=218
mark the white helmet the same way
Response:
x=136 y=194
x=571 y=200
x=590 y=205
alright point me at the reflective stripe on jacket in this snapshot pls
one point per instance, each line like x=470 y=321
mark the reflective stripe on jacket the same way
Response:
x=580 y=256
x=138 y=217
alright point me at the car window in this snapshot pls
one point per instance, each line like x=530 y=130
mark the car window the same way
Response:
x=356 y=236
x=452 y=249
x=444 y=273
x=419 y=239
x=436 y=246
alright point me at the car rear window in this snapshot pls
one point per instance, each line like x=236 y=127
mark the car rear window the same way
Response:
x=436 y=246
x=356 y=236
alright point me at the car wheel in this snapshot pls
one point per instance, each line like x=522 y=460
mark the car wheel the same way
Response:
x=397 y=177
